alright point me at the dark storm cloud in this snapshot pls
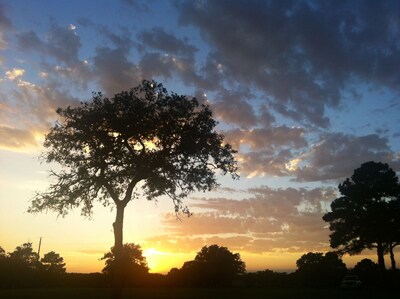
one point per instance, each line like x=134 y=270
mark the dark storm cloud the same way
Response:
x=301 y=53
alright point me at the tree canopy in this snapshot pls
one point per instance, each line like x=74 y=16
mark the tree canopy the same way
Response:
x=317 y=269
x=134 y=263
x=107 y=146
x=53 y=262
x=143 y=142
x=25 y=255
x=363 y=216
x=22 y=268
x=221 y=257
x=213 y=266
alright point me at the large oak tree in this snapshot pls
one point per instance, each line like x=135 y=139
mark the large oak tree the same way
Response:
x=363 y=217
x=143 y=142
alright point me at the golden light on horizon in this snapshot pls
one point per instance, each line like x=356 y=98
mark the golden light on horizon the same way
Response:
x=162 y=262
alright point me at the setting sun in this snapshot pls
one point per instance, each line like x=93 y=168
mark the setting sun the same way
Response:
x=162 y=262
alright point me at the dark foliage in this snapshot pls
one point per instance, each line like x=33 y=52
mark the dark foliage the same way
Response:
x=134 y=269
x=52 y=262
x=315 y=270
x=22 y=268
x=213 y=266
x=143 y=141
x=368 y=272
x=106 y=146
x=366 y=215
x=318 y=270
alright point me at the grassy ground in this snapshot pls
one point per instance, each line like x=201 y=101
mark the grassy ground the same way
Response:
x=170 y=293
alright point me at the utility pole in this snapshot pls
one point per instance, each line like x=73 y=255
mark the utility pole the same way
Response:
x=40 y=244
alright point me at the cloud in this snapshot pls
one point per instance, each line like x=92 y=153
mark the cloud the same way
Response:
x=158 y=39
x=269 y=138
x=14 y=73
x=336 y=155
x=5 y=25
x=28 y=111
x=115 y=72
x=17 y=139
x=285 y=219
x=302 y=54
x=30 y=41
x=137 y=5
x=62 y=43
x=266 y=151
x=5 y=22
x=232 y=107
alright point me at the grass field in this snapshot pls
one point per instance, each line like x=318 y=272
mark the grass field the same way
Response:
x=171 y=293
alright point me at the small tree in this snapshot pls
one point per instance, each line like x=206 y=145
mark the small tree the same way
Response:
x=3 y=254
x=52 y=262
x=317 y=269
x=24 y=256
x=361 y=217
x=145 y=139
x=368 y=271
x=215 y=266
x=134 y=263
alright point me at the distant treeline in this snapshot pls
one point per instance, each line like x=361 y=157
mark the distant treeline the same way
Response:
x=213 y=266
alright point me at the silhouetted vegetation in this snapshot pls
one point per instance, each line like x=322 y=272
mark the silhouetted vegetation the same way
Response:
x=146 y=138
x=134 y=265
x=367 y=215
x=213 y=267
x=22 y=268
x=319 y=270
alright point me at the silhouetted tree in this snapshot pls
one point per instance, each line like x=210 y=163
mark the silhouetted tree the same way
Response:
x=3 y=268
x=3 y=254
x=317 y=269
x=145 y=138
x=361 y=217
x=52 y=262
x=214 y=266
x=22 y=267
x=134 y=263
x=25 y=256
x=394 y=225
x=368 y=271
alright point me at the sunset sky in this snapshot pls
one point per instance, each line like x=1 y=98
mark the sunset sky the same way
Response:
x=306 y=91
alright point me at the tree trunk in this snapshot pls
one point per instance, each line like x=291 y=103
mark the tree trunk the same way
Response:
x=392 y=260
x=118 y=245
x=381 y=259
